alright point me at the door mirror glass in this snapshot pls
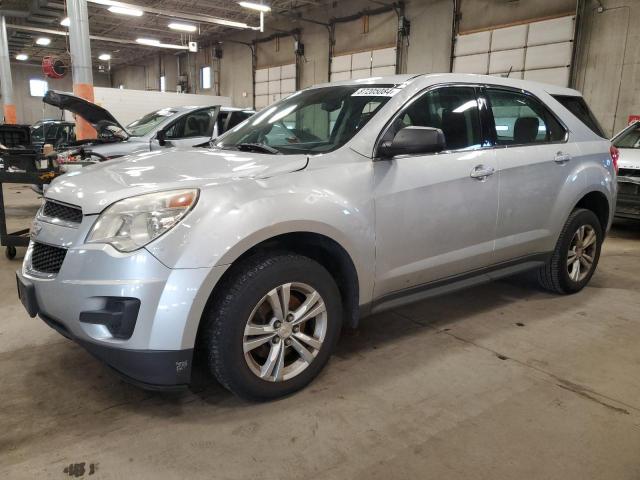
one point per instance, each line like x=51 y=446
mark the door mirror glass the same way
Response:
x=412 y=141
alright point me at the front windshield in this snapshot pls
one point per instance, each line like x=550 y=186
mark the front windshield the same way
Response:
x=630 y=138
x=311 y=121
x=149 y=122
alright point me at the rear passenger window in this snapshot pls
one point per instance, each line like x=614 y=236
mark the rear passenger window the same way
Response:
x=454 y=110
x=520 y=119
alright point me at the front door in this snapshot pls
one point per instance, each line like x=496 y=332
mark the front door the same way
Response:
x=436 y=213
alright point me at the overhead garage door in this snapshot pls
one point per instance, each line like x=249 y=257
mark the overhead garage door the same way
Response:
x=541 y=51
x=274 y=83
x=370 y=63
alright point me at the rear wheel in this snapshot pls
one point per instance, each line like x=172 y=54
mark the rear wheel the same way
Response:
x=576 y=255
x=273 y=326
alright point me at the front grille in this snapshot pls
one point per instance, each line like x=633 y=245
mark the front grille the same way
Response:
x=626 y=188
x=62 y=212
x=47 y=258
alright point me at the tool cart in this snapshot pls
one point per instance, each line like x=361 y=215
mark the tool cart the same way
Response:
x=20 y=163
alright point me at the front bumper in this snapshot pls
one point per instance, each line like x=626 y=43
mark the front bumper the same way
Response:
x=149 y=369
x=158 y=351
x=628 y=200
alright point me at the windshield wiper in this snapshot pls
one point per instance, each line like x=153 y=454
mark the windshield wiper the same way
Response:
x=257 y=147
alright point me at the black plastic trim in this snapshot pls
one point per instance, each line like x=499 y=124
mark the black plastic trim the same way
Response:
x=149 y=369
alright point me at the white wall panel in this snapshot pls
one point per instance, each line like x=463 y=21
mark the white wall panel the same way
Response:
x=360 y=61
x=274 y=73
x=271 y=83
x=262 y=88
x=357 y=74
x=383 y=71
x=288 y=71
x=379 y=62
x=549 y=56
x=473 y=43
x=509 y=38
x=505 y=60
x=288 y=85
x=341 y=63
x=383 y=58
x=262 y=75
x=551 y=31
x=472 y=64
x=555 y=76
x=544 y=47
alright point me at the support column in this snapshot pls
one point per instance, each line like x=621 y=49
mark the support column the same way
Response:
x=5 y=76
x=81 y=60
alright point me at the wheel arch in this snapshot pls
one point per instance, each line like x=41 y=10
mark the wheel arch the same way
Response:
x=598 y=203
x=321 y=248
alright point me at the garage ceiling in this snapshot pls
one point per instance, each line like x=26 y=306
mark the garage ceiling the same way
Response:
x=46 y=14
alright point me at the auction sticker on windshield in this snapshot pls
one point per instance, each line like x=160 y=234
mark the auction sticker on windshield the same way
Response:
x=375 y=92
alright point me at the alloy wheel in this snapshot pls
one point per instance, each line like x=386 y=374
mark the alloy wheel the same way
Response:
x=285 y=332
x=582 y=252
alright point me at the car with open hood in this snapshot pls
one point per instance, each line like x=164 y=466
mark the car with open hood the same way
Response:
x=628 y=144
x=339 y=201
x=182 y=127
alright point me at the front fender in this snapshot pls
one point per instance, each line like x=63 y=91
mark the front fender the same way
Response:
x=232 y=218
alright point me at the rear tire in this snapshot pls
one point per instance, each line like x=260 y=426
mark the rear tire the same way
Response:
x=576 y=254
x=260 y=343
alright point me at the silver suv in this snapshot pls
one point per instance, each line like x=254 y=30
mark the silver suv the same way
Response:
x=339 y=201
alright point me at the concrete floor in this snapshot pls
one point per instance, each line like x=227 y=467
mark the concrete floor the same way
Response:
x=501 y=381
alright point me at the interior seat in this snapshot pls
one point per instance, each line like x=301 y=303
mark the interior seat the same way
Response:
x=525 y=130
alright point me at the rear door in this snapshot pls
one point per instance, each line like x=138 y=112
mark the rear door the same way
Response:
x=534 y=160
x=435 y=214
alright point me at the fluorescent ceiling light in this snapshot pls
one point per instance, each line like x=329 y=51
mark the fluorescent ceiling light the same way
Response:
x=151 y=42
x=134 y=12
x=22 y=57
x=255 y=6
x=148 y=41
x=44 y=41
x=65 y=22
x=231 y=23
x=183 y=27
x=105 y=57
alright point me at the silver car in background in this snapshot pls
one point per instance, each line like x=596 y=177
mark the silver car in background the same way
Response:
x=339 y=201
x=182 y=127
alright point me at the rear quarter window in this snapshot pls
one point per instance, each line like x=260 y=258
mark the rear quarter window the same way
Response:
x=580 y=109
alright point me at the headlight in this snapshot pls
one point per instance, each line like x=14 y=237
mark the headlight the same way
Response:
x=132 y=223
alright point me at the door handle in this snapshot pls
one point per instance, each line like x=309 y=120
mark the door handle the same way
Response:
x=562 y=158
x=480 y=172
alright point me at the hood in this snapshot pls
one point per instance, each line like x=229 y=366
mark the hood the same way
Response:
x=94 y=114
x=96 y=187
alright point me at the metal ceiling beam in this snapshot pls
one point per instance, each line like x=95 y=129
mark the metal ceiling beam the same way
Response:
x=179 y=15
x=92 y=37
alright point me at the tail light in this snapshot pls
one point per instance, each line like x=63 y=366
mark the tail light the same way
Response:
x=615 y=155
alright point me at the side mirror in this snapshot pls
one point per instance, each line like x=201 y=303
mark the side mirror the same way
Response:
x=412 y=141
x=161 y=136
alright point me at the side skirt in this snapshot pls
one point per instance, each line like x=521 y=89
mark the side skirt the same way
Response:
x=455 y=283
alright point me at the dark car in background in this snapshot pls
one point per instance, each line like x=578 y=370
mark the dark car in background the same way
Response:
x=58 y=133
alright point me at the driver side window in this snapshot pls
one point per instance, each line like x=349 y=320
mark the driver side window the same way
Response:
x=196 y=124
x=454 y=110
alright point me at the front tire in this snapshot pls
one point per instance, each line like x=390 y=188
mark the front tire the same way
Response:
x=576 y=254
x=272 y=326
